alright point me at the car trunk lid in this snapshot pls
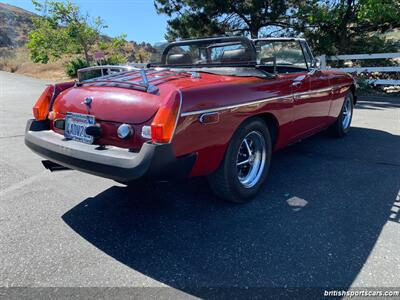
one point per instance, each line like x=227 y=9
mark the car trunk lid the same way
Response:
x=109 y=103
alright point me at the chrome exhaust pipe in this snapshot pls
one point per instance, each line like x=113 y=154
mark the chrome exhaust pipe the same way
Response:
x=52 y=166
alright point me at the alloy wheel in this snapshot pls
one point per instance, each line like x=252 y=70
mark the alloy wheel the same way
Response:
x=251 y=159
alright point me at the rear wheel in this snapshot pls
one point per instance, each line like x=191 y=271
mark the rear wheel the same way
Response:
x=342 y=125
x=245 y=166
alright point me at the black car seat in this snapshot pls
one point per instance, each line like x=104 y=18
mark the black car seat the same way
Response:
x=179 y=59
x=237 y=55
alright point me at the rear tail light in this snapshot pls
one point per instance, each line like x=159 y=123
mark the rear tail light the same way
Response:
x=163 y=125
x=44 y=103
x=41 y=107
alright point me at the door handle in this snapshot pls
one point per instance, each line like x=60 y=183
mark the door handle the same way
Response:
x=296 y=83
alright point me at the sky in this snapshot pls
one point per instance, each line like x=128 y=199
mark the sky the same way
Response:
x=136 y=18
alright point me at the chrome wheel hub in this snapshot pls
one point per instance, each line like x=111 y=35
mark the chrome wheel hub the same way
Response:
x=251 y=158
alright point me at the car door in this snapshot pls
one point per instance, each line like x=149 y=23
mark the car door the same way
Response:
x=312 y=97
x=292 y=60
x=285 y=58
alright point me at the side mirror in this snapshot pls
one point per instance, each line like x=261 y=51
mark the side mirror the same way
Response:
x=314 y=67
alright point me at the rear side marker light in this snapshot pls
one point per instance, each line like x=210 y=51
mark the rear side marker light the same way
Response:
x=209 y=118
x=163 y=125
x=41 y=107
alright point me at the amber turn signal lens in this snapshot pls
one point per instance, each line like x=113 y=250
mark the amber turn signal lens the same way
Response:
x=163 y=125
x=41 y=107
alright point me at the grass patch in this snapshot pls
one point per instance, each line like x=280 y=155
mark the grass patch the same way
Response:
x=17 y=60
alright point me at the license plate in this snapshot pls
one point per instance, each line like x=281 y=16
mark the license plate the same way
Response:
x=75 y=127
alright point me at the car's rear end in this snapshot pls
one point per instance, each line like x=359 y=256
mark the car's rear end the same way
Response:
x=122 y=126
x=118 y=126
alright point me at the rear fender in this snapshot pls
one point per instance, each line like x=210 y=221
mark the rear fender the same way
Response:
x=59 y=88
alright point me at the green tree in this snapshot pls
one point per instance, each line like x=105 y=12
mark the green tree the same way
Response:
x=199 y=18
x=348 y=26
x=115 y=50
x=331 y=26
x=62 y=29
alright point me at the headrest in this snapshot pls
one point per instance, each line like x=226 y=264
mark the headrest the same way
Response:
x=179 y=59
x=236 y=55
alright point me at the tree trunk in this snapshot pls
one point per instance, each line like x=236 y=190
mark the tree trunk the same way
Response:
x=254 y=32
x=87 y=57
x=343 y=43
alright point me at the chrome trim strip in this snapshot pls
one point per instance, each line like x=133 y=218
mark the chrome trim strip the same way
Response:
x=339 y=86
x=210 y=110
x=313 y=92
x=204 y=111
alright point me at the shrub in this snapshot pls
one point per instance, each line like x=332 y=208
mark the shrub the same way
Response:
x=72 y=67
x=115 y=59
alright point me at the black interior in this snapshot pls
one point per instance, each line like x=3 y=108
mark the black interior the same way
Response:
x=282 y=69
x=237 y=55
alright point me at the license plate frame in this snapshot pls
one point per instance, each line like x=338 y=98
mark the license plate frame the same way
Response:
x=75 y=126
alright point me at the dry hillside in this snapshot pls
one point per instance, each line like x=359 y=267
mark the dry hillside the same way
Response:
x=15 y=23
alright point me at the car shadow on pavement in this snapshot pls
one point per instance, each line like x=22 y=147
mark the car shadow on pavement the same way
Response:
x=314 y=224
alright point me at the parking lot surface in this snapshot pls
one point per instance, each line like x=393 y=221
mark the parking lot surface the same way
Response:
x=327 y=217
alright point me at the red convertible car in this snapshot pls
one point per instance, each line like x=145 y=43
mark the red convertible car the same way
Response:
x=214 y=107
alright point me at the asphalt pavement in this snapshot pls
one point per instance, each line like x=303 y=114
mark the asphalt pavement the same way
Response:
x=327 y=217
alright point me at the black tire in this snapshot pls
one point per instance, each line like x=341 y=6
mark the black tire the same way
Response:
x=225 y=182
x=340 y=128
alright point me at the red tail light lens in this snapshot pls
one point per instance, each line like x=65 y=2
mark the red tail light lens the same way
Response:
x=41 y=107
x=163 y=125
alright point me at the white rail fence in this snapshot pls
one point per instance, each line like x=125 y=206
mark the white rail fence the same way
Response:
x=324 y=59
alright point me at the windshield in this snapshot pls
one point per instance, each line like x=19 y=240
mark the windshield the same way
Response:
x=286 y=53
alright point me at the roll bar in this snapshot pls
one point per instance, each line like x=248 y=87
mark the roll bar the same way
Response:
x=232 y=39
